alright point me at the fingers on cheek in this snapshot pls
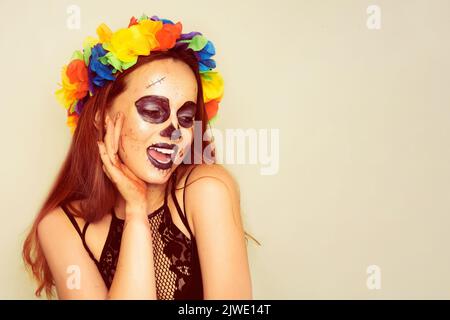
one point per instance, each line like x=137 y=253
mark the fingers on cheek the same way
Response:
x=107 y=173
x=103 y=153
x=115 y=160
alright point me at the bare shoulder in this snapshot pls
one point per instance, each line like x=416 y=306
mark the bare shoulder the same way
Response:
x=210 y=187
x=56 y=224
x=210 y=175
x=66 y=256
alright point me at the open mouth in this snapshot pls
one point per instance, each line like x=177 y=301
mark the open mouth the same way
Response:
x=161 y=155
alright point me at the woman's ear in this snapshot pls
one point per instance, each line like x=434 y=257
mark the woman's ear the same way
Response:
x=97 y=121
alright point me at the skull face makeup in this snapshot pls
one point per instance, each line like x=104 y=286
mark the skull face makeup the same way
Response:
x=159 y=104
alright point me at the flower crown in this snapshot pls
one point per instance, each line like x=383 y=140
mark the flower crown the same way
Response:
x=113 y=52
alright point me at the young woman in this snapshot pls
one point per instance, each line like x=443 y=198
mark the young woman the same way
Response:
x=131 y=216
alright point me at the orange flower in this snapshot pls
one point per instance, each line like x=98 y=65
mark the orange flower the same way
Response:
x=168 y=35
x=72 y=122
x=78 y=74
x=211 y=108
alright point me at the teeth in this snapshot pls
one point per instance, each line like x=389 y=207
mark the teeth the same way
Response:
x=163 y=150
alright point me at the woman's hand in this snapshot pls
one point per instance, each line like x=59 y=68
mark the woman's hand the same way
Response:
x=132 y=189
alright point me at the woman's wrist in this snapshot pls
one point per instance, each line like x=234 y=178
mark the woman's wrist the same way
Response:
x=137 y=212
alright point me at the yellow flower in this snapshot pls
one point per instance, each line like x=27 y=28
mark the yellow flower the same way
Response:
x=72 y=121
x=89 y=42
x=66 y=95
x=127 y=44
x=104 y=33
x=212 y=83
x=149 y=28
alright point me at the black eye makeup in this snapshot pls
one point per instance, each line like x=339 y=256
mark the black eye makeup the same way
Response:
x=154 y=109
x=186 y=114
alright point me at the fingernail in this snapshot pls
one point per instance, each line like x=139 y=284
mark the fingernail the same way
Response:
x=117 y=115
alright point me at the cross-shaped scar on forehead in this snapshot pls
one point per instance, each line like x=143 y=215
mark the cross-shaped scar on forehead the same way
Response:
x=155 y=82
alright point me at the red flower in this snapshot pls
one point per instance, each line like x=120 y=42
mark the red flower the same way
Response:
x=78 y=74
x=168 y=35
x=133 y=21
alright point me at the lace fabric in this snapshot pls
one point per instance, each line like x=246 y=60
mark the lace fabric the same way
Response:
x=173 y=258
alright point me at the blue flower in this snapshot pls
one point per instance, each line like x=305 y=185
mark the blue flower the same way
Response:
x=101 y=72
x=204 y=56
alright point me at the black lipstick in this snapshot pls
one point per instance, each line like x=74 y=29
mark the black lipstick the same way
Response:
x=161 y=154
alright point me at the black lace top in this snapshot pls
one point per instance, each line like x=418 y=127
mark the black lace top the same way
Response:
x=177 y=267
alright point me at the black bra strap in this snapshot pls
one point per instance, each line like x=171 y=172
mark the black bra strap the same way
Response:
x=166 y=192
x=81 y=233
x=184 y=189
x=177 y=205
x=72 y=220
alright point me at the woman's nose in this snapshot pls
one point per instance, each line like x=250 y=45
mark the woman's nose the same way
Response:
x=171 y=132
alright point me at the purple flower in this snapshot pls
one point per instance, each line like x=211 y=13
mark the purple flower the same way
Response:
x=79 y=106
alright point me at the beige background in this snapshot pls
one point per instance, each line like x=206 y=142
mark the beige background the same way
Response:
x=364 y=137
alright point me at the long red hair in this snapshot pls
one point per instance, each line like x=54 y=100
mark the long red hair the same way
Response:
x=81 y=176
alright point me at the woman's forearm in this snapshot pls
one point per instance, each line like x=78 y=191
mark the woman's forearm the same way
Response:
x=135 y=274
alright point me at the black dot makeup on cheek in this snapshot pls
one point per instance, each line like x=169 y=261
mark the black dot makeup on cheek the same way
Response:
x=186 y=114
x=153 y=108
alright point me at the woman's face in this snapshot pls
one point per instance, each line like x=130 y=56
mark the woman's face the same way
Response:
x=159 y=104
